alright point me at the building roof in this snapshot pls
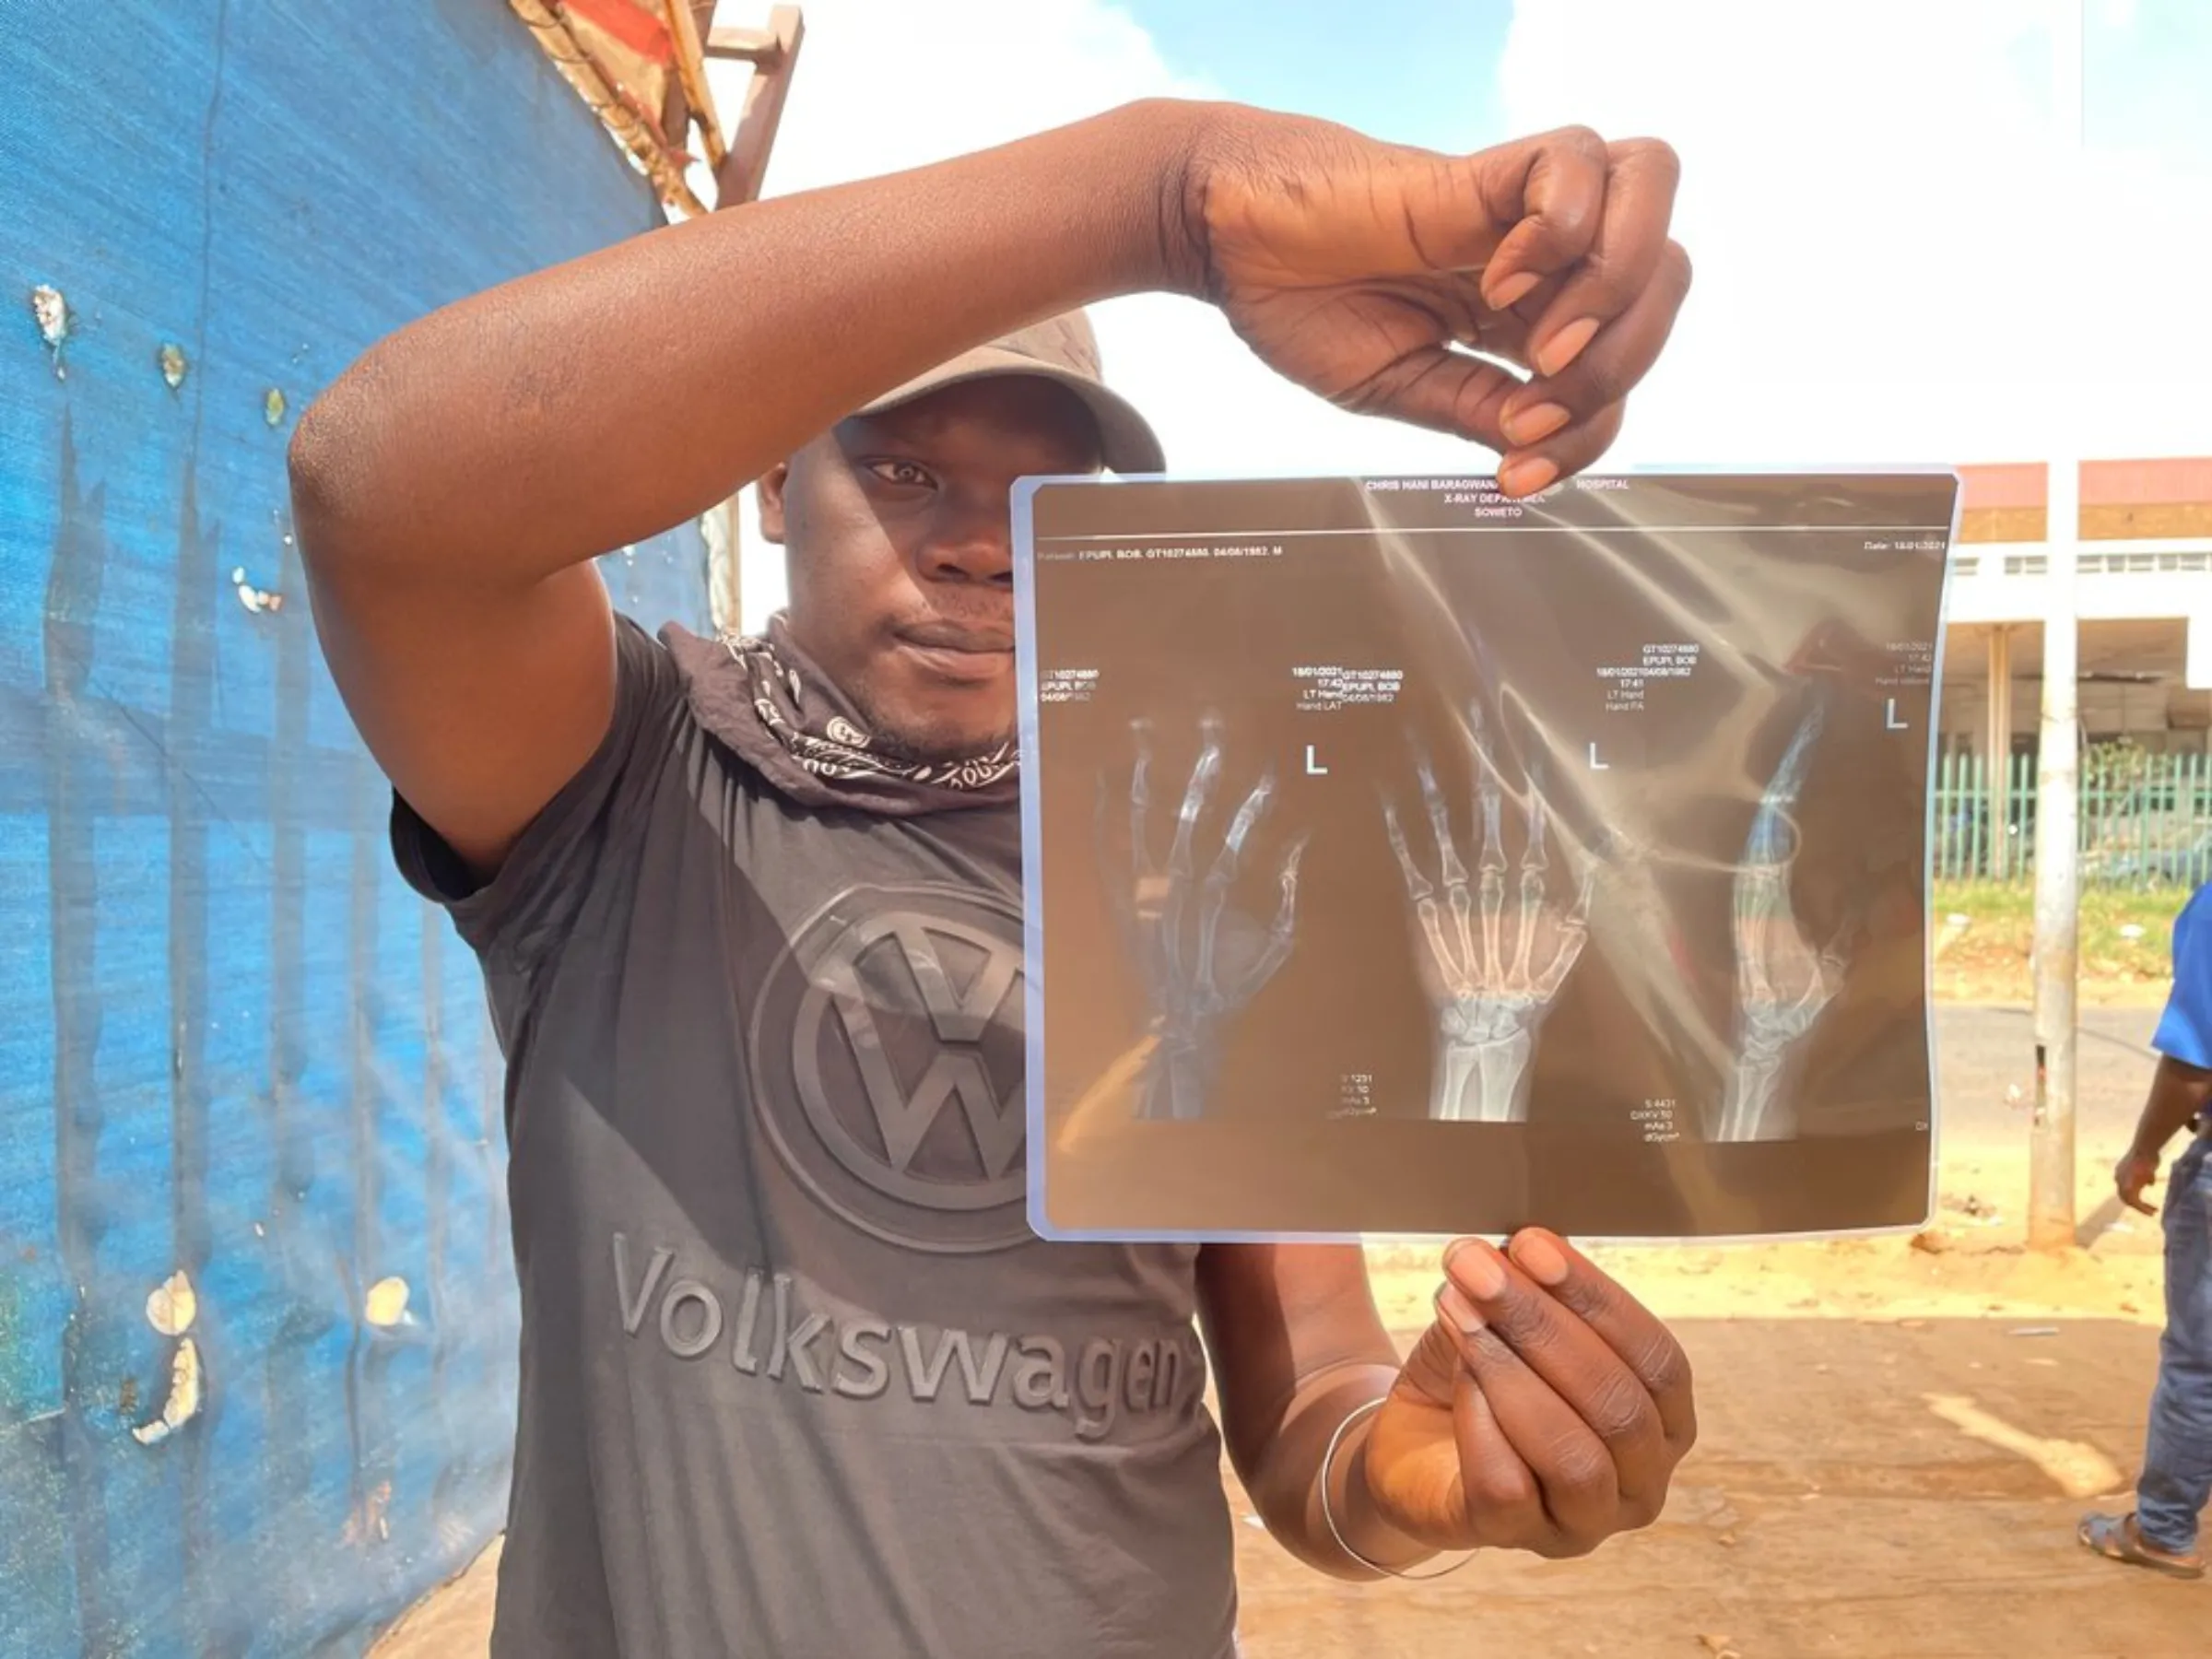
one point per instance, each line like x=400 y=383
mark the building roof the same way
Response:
x=2121 y=501
x=2141 y=483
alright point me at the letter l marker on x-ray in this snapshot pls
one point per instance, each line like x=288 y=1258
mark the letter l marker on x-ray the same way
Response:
x=1314 y=768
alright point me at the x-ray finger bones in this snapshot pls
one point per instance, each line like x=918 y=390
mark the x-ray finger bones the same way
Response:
x=1491 y=971
x=1782 y=981
x=1202 y=957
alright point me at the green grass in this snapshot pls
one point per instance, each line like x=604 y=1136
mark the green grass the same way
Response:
x=2002 y=929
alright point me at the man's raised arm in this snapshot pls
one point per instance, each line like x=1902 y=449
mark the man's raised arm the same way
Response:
x=452 y=487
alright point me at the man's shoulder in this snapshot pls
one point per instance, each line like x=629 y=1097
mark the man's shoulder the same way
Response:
x=652 y=646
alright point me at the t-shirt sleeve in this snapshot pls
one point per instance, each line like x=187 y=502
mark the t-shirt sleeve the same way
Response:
x=519 y=918
x=2184 y=1031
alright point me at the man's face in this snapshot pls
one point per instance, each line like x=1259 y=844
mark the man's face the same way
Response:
x=899 y=543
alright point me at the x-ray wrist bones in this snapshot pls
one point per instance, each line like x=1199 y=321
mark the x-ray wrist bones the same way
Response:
x=1201 y=958
x=1492 y=972
x=1782 y=981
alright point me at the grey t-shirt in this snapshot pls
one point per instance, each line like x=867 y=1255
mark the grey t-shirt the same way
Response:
x=797 y=1378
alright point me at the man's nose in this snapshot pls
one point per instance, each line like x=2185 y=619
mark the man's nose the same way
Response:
x=971 y=541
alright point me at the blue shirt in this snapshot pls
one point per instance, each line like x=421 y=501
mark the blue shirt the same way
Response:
x=2184 y=1031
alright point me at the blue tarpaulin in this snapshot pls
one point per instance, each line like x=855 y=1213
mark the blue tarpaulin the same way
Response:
x=232 y=1045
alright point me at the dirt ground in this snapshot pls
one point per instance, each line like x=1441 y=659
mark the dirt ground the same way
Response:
x=1897 y=1437
x=1973 y=978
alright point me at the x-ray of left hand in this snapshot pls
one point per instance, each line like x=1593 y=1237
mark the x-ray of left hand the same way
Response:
x=1491 y=974
x=1784 y=978
x=1202 y=957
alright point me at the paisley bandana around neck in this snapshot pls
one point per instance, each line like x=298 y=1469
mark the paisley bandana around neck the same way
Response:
x=831 y=746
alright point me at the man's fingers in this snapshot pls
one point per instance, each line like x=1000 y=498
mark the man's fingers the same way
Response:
x=1643 y=1344
x=1627 y=256
x=1576 y=1364
x=1504 y=334
x=1588 y=259
x=1140 y=798
x=1615 y=363
x=1444 y=390
x=1504 y=1505
x=2130 y=1176
x=1552 y=191
x=1574 y=1472
x=1524 y=472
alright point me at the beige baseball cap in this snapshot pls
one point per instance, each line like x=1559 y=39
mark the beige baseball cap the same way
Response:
x=1063 y=350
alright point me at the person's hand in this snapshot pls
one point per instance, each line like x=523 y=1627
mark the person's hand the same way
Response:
x=2131 y=1174
x=1372 y=272
x=1544 y=1409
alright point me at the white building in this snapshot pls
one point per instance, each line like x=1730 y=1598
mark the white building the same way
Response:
x=2144 y=596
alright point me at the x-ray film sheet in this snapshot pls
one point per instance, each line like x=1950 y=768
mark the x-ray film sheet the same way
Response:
x=1401 y=858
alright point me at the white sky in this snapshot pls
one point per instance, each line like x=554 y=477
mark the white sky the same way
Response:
x=1882 y=259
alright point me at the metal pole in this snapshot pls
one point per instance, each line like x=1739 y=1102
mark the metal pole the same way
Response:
x=1997 y=753
x=2058 y=803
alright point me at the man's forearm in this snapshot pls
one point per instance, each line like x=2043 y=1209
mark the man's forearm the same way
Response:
x=1287 y=1488
x=541 y=423
x=2179 y=1092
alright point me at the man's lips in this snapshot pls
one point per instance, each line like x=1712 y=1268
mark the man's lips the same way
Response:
x=951 y=650
x=959 y=636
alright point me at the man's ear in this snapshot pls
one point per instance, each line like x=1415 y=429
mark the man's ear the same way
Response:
x=769 y=492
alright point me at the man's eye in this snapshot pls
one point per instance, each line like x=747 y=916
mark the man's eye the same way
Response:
x=902 y=472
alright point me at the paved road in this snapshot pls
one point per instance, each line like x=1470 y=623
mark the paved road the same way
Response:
x=1982 y=1053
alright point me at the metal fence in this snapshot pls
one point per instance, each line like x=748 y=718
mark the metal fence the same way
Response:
x=2146 y=819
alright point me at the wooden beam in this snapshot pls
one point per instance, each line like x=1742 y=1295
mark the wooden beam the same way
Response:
x=675 y=112
x=746 y=45
x=739 y=179
x=691 y=70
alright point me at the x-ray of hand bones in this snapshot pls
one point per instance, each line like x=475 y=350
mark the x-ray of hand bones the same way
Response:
x=1198 y=968
x=1782 y=982
x=1490 y=977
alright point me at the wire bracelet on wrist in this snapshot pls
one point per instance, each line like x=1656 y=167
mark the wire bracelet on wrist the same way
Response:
x=1328 y=1459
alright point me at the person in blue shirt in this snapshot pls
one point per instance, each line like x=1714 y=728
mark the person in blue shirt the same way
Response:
x=2176 y=1482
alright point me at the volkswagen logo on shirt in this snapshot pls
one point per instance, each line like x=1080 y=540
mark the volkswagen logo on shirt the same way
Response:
x=886 y=1062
